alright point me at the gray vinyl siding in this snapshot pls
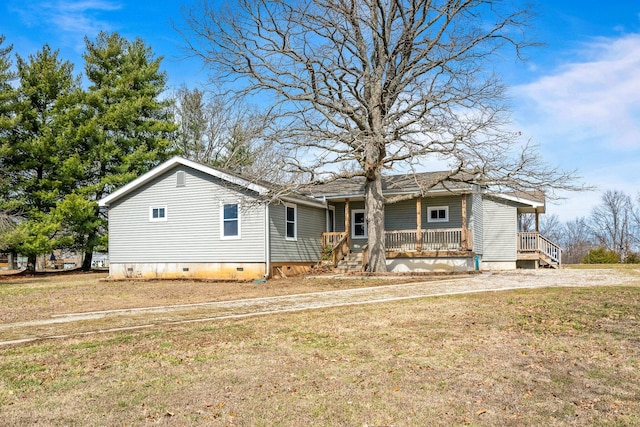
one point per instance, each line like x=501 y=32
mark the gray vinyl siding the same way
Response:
x=311 y=223
x=454 y=202
x=400 y=215
x=477 y=222
x=499 y=231
x=192 y=230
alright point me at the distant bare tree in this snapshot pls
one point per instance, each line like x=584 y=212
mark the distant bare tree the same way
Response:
x=526 y=222
x=611 y=222
x=225 y=133
x=360 y=86
x=575 y=240
x=551 y=227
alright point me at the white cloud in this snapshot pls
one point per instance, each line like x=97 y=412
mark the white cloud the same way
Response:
x=67 y=16
x=594 y=97
x=586 y=116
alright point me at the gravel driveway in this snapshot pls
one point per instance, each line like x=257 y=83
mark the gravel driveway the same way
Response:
x=129 y=319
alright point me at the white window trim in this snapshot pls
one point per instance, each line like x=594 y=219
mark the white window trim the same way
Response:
x=331 y=226
x=222 y=236
x=295 y=221
x=353 y=224
x=164 y=218
x=438 y=208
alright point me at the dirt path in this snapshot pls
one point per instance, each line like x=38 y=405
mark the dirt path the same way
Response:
x=76 y=324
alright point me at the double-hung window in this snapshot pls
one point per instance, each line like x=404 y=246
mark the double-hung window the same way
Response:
x=230 y=224
x=157 y=213
x=291 y=221
x=359 y=224
x=438 y=214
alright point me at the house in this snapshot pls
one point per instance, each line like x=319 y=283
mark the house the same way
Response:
x=185 y=219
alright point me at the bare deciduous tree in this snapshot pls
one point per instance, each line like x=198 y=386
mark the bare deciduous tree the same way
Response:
x=551 y=227
x=221 y=132
x=360 y=86
x=575 y=240
x=611 y=222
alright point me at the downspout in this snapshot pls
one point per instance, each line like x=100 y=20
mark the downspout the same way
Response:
x=267 y=235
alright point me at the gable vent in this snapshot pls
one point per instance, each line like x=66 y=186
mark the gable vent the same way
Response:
x=180 y=179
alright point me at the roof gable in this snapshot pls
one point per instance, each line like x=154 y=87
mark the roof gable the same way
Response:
x=169 y=164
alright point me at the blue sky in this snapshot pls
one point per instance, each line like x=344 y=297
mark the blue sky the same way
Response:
x=577 y=97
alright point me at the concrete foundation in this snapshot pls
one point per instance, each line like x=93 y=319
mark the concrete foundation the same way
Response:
x=168 y=270
x=498 y=265
x=418 y=265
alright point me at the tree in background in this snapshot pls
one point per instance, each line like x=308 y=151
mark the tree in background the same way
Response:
x=225 y=133
x=126 y=131
x=359 y=86
x=611 y=223
x=576 y=240
x=7 y=117
x=35 y=151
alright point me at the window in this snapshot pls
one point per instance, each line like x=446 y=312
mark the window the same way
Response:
x=438 y=214
x=230 y=221
x=291 y=221
x=358 y=224
x=158 y=213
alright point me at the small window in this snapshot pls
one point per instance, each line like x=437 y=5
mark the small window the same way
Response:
x=180 y=179
x=291 y=221
x=438 y=214
x=359 y=224
x=158 y=213
x=230 y=221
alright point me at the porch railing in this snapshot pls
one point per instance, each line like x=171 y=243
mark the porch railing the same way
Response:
x=337 y=244
x=446 y=239
x=532 y=242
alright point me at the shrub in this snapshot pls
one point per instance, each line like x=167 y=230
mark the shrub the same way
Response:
x=632 y=258
x=601 y=256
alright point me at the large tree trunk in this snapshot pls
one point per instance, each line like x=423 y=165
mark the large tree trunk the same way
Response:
x=374 y=205
x=31 y=263
x=88 y=259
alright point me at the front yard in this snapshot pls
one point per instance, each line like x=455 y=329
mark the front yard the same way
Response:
x=552 y=356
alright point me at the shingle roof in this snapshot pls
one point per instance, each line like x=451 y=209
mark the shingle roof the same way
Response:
x=392 y=184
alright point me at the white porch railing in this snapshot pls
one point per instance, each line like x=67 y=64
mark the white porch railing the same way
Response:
x=532 y=242
x=447 y=239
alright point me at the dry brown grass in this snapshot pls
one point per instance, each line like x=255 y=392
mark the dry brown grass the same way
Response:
x=533 y=357
x=28 y=298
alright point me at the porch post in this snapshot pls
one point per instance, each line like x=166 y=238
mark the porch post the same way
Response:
x=419 y=224
x=463 y=233
x=347 y=221
x=537 y=221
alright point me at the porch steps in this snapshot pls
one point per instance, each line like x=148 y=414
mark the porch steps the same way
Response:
x=352 y=262
x=547 y=262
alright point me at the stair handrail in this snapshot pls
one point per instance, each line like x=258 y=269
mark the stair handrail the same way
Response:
x=340 y=250
x=550 y=249
x=365 y=257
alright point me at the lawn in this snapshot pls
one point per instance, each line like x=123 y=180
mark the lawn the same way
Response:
x=556 y=356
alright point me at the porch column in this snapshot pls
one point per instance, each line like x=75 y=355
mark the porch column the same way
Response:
x=347 y=221
x=537 y=221
x=463 y=233
x=419 y=224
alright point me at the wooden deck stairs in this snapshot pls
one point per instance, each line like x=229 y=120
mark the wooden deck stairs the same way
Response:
x=351 y=263
x=537 y=248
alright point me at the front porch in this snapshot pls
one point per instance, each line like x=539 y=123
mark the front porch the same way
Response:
x=434 y=243
x=428 y=239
